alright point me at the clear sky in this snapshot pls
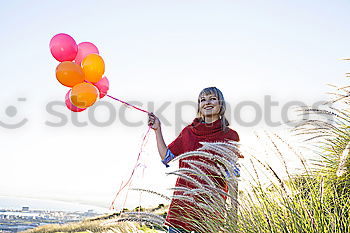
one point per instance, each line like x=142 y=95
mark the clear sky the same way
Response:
x=158 y=53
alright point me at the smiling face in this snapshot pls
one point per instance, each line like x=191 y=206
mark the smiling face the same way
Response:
x=209 y=107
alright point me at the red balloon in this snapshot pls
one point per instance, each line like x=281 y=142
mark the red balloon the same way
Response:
x=84 y=49
x=102 y=86
x=69 y=104
x=63 y=47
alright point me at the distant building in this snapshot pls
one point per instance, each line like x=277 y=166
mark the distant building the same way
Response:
x=25 y=209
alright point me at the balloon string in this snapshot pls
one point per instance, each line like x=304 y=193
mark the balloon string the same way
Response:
x=142 y=110
x=122 y=187
x=126 y=197
x=127 y=193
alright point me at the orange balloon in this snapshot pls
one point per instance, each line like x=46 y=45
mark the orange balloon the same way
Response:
x=84 y=95
x=69 y=74
x=93 y=67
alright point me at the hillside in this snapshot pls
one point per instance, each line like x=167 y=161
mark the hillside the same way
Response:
x=138 y=220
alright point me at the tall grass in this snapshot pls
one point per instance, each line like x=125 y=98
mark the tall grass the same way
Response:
x=312 y=201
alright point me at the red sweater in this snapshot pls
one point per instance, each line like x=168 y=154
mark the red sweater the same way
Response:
x=188 y=140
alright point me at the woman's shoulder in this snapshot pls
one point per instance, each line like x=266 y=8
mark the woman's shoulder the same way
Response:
x=186 y=129
x=231 y=134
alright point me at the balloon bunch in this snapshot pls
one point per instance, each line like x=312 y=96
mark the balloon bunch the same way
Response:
x=81 y=68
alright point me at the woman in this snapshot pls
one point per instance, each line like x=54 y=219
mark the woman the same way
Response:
x=210 y=125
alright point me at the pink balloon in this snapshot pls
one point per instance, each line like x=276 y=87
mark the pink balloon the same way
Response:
x=63 y=47
x=69 y=104
x=102 y=86
x=84 y=49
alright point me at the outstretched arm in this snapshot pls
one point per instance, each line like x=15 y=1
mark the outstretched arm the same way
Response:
x=155 y=124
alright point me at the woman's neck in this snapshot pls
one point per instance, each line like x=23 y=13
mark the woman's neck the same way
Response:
x=211 y=119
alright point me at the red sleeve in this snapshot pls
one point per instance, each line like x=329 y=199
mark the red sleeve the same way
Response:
x=176 y=147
